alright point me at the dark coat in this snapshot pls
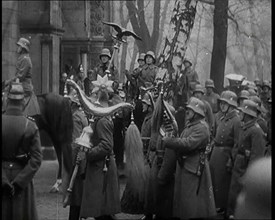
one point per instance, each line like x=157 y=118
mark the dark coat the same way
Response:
x=101 y=189
x=148 y=75
x=251 y=147
x=212 y=99
x=79 y=122
x=187 y=203
x=19 y=136
x=226 y=137
x=24 y=71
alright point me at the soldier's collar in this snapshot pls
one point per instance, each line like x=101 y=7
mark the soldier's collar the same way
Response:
x=192 y=123
x=230 y=115
x=249 y=124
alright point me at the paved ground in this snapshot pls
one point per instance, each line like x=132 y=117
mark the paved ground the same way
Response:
x=49 y=205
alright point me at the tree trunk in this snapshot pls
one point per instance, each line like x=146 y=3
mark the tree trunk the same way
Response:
x=134 y=57
x=219 y=43
x=162 y=23
x=180 y=27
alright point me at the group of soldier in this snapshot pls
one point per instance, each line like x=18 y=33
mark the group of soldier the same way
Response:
x=199 y=173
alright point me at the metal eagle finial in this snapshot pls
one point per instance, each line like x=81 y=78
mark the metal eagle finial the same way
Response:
x=121 y=32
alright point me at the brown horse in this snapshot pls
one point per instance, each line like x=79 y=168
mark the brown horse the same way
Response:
x=56 y=121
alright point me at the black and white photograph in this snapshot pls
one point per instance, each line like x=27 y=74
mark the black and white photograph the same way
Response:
x=136 y=109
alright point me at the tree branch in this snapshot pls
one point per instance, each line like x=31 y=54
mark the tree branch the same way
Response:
x=155 y=34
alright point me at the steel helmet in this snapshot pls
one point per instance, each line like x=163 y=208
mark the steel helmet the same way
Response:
x=141 y=56
x=196 y=105
x=105 y=52
x=229 y=97
x=146 y=99
x=24 y=43
x=257 y=82
x=209 y=83
x=198 y=88
x=244 y=94
x=252 y=92
x=249 y=107
x=16 y=91
x=152 y=54
x=266 y=83
x=257 y=100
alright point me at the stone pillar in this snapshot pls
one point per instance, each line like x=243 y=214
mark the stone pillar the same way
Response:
x=10 y=35
x=84 y=62
x=45 y=57
x=55 y=67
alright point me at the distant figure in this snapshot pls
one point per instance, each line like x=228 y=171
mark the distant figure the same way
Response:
x=191 y=74
x=62 y=83
x=88 y=85
x=210 y=96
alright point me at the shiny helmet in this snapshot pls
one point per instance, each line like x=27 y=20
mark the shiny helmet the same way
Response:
x=141 y=56
x=257 y=100
x=244 y=94
x=229 y=97
x=198 y=88
x=24 y=43
x=197 y=106
x=249 y=107
x=105 y=52
x=16 y=91
x=152 y=54
x=209 y=83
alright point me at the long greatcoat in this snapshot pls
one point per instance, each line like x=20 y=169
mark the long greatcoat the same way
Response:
x=187 y=203
x=24 y=73
x=226 y=137
x=251 y=146
x=79 y=122
x=19 y=136
x=101 y=189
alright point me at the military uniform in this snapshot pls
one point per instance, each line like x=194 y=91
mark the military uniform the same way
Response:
x=192 y=77
x=226 y=137
x=20 y=136
x=79 y=122
x=189 y=147
x=101 y=189
x=212 y=99
x=251 y=146
x=148 y=75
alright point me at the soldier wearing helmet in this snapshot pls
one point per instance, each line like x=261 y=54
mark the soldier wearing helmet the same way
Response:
x=258 y=84
x=191 y=194
x=132 y=84
x=198 y=93
x=244 y=94
x=149 y=70
x=210 y=96
x=79 y=123
x=266 y=92
x=225 y=139
x=24 y=74
x=21 y=157
x=105 y=57
x=251 y=146
x=191 y=74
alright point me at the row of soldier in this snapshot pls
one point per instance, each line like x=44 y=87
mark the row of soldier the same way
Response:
x=224 y=116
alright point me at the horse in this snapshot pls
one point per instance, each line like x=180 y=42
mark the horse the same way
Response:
x=56 y=120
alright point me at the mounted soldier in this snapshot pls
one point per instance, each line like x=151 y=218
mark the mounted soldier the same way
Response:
x=24 y=74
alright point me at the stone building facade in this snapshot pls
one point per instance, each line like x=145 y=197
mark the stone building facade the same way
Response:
x=59 y=32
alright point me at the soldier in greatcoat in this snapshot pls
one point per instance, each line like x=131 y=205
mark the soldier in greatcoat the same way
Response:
x=191 y=74
x=193 y=195
x=149 y=71
x=24 y=74
x=21 y=159
x=225 y=138
x=100 y=69
x=251 y=146
x=210 y=96
x=79 y=122
x=100 y=197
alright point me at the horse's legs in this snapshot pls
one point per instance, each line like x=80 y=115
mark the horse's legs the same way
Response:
x=58 y=151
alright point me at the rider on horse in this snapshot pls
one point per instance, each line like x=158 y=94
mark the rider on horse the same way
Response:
x=24 y=74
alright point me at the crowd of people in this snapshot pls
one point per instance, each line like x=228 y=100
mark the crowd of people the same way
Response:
x=201 y=172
